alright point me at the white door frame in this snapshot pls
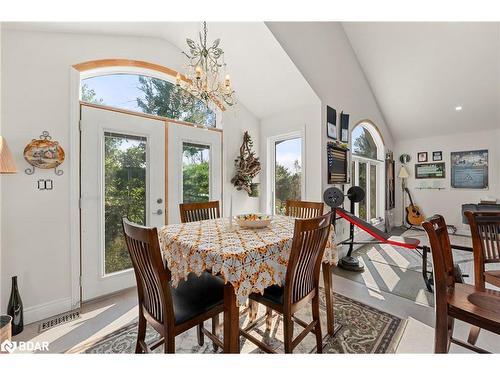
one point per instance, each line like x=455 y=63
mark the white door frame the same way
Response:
x=74 y=192
x=75 y=77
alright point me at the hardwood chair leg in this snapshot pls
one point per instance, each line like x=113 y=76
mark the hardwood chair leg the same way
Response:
x=201 y=336
x=288 y=333
x=169 y=346
x=215 y=329
x=253 y=308
x=473 y=335
x=441 y=335
x=317 y=328
x=269 y=318
x=451 y=325
x=141 y=334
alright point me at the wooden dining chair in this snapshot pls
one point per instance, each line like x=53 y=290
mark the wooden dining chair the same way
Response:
x=303 y=209
x=469 y=303
x=199 y=211
x=485 y=231
x=170 y=311
x=301 y=285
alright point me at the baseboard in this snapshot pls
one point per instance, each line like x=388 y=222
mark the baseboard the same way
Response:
x=46 y=310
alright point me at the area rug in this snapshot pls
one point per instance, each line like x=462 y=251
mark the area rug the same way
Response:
x=358 y=329
x=398 y=270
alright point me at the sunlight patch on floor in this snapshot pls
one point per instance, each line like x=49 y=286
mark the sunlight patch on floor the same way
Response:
x=120 y=321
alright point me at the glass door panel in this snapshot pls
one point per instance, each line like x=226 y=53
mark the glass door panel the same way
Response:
x=124 y=194
x=287 y=172
x=373 y=192
x=363 y=184
x=195 y=173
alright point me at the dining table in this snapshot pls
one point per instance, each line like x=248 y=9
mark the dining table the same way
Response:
x=248 y=260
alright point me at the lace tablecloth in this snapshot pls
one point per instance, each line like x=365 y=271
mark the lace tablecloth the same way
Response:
x=250 y=259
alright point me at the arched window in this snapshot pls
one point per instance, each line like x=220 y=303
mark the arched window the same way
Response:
x=144 y=93
x=368 y=170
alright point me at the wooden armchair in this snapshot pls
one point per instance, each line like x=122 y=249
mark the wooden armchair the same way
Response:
x=170 y=311
x=301 y=284
x=485 y=230
x=199 y=211
x=471 y=304
x=303 y=209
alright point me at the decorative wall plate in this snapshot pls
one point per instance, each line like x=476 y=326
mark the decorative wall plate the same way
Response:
x=44 y=153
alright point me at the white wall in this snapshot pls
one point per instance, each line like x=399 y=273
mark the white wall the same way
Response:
x=307 y=120
x=36 y=97
x=235 y=125
x=448 y=202
x=324 y=56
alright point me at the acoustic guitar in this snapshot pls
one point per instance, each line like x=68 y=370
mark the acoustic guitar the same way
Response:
x=413 y=213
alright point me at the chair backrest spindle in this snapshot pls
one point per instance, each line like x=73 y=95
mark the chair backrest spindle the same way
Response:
x=485 y=230
x=151 y=276
x=191 y=212
x=303 y=209
x=306 y=255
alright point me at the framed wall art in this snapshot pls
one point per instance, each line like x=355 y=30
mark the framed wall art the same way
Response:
x=469 y=169
x=430 y=170
x=437 y=156
x=344 y=127
x=331 y=122
x=422 y=157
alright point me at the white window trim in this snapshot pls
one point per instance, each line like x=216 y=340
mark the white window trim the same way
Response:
x=111 y=70
x=271 y=142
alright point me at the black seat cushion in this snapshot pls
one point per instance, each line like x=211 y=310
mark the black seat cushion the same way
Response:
x=196 y=295
x=273 y=293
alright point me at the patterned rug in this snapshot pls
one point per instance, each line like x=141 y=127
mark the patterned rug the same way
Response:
x=358 y=329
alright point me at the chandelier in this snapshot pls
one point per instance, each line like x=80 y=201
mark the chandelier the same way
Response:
x=205 y=69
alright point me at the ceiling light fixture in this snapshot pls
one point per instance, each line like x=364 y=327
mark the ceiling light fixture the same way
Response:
x=458 y=108
x=206 y=78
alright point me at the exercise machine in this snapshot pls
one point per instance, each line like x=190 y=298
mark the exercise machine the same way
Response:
x=334 y=198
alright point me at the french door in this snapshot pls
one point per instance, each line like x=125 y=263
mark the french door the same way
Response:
x=122 y=174
x=194 y=167
x=368 y=174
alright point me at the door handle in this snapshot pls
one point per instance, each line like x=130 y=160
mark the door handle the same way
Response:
x=158 y=212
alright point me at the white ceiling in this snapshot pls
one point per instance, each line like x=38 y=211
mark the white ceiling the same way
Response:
x=419 y=73
x=265 y=79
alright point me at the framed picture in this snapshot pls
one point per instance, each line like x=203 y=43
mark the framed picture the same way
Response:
x=344 y=127
x=331 y=122
x=437 y=156
x=469 y=169
x=431 y=170
x=422 y=157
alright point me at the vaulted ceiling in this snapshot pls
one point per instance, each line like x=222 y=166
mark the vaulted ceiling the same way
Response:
x=420 y=72
x=266 y=80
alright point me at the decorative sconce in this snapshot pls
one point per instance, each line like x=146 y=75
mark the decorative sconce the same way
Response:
x=44 y=153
